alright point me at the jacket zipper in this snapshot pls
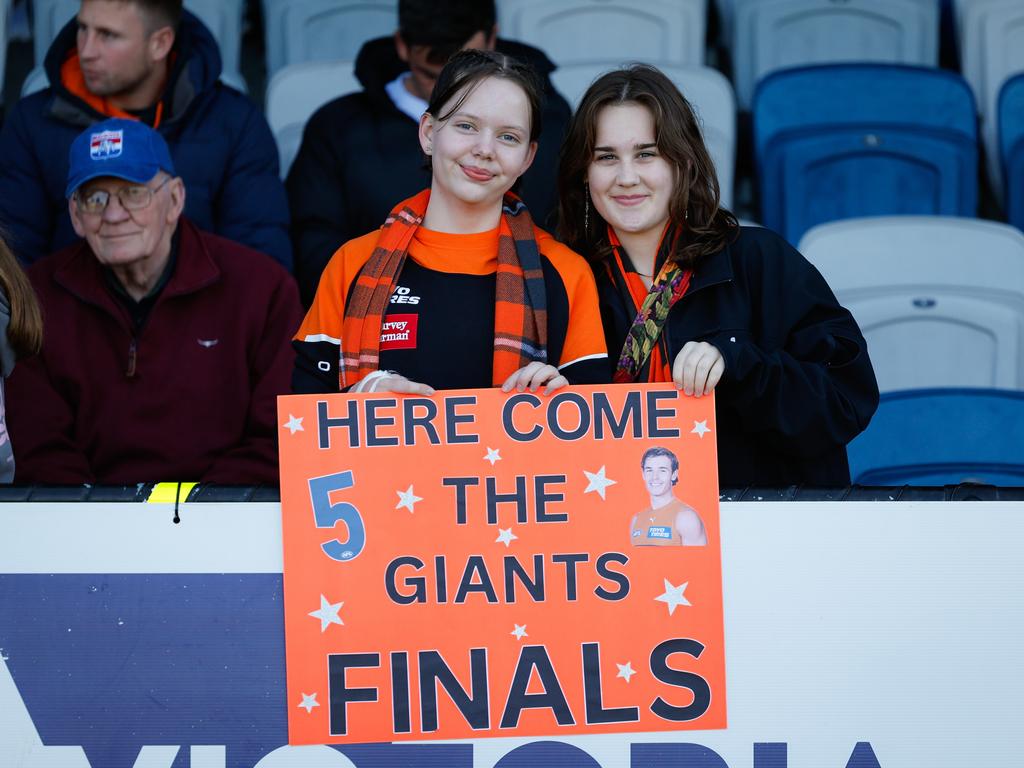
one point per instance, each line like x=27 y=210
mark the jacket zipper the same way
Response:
x=132 y=354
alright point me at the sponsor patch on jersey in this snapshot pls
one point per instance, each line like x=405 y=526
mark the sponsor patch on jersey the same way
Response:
x=659 y=532
x=398 y=332
x=105 y=144
x=403 y=295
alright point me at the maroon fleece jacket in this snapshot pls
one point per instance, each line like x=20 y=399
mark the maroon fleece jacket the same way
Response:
x=192 y=397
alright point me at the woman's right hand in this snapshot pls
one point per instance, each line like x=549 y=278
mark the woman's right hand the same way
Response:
x=698 y=368
x=389 y=381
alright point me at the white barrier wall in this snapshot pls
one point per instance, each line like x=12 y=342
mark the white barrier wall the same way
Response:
x=858 y=635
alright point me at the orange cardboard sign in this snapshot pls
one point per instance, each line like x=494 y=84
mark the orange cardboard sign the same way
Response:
x=485 y=564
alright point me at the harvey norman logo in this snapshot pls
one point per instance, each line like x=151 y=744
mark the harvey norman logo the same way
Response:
x=106 y=144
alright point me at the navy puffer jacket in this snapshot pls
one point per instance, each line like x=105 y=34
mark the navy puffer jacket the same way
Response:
x=220 y=143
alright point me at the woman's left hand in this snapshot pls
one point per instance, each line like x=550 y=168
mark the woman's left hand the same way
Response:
x=698 y=368
x=533 y=376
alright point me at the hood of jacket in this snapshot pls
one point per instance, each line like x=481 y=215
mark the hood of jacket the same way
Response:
x=195 y=69
x=377 y=64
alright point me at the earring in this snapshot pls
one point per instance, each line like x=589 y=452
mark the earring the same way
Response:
x=586 y=207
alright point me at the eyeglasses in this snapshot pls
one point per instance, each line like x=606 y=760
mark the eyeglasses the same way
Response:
x=133 y=198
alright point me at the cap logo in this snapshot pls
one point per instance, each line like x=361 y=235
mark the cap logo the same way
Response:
x=105 y=145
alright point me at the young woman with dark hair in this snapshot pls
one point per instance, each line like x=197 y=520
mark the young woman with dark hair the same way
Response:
x=458 y=288
x=689 y=296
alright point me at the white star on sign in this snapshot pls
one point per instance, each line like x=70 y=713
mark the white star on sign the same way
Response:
x=626 y=670
x=407 y=499
x=598 y=481
x=505 y=536
x=293 y=424
x=492 y=455
x=328 y=613
x=519 y=631
x=308 y=702
x=700 y=428
x=673 y=596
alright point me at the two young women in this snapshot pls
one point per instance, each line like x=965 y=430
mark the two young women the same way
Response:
x=686 y=295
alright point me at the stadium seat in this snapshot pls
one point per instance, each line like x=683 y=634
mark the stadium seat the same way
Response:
x=705 y=88
x=296 y=92
x=836 y=141
x=992 y=50
x=222 y=17
x=323 y=30
x=939 y=299
x=1011 y=144
x=48 y=18
x=942 y=437
x=599 y=31
x=36 y=80
x=775 y=34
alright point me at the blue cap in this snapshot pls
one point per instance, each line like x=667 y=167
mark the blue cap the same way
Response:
x=125 y=149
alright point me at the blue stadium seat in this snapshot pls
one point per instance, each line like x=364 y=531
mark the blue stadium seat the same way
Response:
x=942 y=437
x=1011 y=147
x=836 y=141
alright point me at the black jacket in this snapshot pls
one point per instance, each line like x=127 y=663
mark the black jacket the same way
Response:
x=798 y=384
x=360 y=156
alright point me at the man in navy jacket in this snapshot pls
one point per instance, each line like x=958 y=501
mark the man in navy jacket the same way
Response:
x=152 y=61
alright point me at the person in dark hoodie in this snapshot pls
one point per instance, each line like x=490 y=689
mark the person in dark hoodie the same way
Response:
x=360 y=153
x=147 y=60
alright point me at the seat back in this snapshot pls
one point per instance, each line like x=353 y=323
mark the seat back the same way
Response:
x=992 y=49
x=323 y=30
x=775 y=34
x=846 y=140
x=48 y=18
x=295 y=92
x=707 y=90
x=224 y=20
x=586 y=32
x=1011 y=147
x=942 y=437
x=940 y=300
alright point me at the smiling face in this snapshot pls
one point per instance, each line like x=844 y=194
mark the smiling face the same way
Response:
x=659 y=476
x=631 y=183
x=122 y=238
x=479 y=150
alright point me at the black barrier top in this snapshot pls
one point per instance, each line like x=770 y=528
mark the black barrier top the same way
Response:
x=140 y=492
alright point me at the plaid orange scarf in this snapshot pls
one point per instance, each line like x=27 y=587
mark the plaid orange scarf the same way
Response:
x=520 y=316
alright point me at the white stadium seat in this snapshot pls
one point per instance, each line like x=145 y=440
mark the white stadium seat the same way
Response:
x=296 y=92
x=939 y=299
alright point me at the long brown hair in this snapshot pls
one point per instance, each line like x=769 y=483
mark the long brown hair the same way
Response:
x=25 y=331
x=695 y=201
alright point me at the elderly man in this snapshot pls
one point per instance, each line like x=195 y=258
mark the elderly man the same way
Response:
x=164 y=346
x=151 y=61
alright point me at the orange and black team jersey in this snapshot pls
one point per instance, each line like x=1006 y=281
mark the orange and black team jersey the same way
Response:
x=439 y=327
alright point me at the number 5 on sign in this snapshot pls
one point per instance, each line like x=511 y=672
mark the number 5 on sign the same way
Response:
x=328 y=515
